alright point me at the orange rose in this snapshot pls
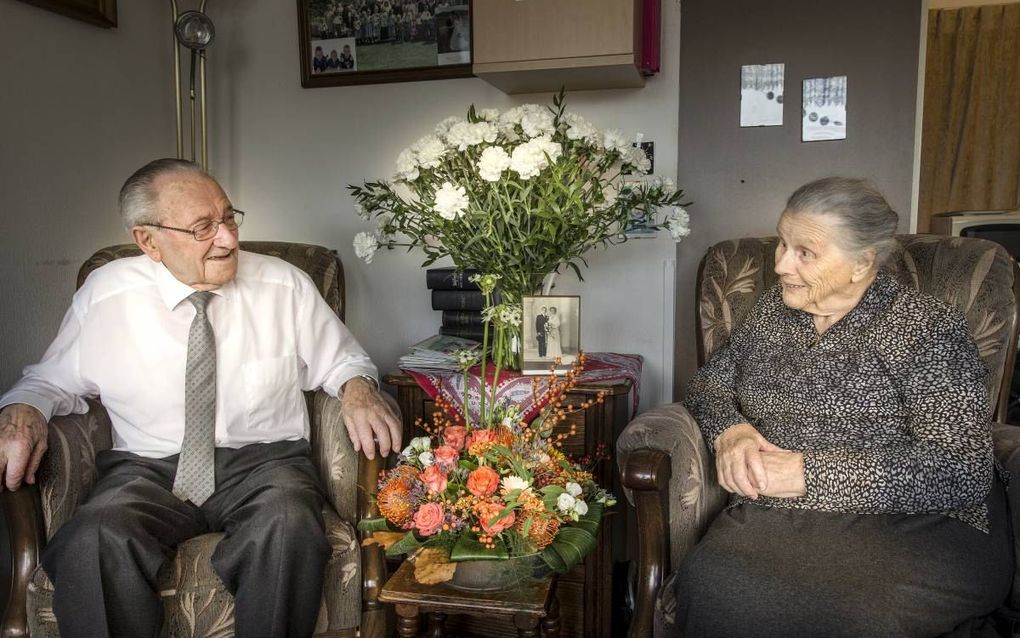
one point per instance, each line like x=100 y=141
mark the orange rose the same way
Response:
x=429 y=519
x=454 y=436
x=446 y=455
x=434 y=478
x=483 y=481
x=487 y=513
x=481 y=436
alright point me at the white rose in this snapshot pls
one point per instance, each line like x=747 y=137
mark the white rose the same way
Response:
x=426 y=459
x=407 y=452
x=365 y=245
x=492 y=163
x=581 y=508
x=421 y=443
x=565 y=502
x=451 y=201
x=573 y=489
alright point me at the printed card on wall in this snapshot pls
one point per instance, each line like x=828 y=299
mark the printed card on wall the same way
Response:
x=824 y=116
x=761 y=94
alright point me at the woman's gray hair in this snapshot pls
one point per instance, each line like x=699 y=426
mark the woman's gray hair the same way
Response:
x=138 y=199
x=862 y=211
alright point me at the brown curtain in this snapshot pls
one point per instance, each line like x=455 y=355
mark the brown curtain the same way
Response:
x=970 y=144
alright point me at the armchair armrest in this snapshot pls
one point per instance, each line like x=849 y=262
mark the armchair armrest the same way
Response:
x=351 y=482
x=669 y=477
x=1007 y=452
x=34 y=512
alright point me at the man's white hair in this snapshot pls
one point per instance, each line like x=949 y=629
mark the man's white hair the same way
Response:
x=138 y=199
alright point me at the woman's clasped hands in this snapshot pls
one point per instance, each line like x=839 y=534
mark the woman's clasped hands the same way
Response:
x=749 y=465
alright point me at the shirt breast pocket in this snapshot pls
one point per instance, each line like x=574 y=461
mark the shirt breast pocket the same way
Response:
x=273 y=393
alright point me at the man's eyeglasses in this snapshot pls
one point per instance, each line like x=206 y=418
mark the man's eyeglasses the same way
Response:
x=208 y=229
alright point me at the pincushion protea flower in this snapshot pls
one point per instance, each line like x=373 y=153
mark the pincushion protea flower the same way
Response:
x=394 y=497
x=541 y=530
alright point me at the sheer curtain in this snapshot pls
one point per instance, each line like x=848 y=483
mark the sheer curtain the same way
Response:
x=970 y=149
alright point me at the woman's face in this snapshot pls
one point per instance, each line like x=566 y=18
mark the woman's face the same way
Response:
x=818 y=276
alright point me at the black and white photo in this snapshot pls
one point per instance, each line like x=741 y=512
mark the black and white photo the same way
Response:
x=551 y=332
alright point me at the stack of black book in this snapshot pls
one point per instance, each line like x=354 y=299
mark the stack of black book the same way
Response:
x=460 y=301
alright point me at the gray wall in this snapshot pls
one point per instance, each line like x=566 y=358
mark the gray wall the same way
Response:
x=82 y=107
x=286 y=154
x=739 y=178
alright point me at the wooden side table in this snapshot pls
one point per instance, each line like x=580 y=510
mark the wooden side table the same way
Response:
x=532 y=606
x=586 y=592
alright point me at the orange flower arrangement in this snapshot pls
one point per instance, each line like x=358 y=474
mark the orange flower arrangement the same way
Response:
x=498 y=489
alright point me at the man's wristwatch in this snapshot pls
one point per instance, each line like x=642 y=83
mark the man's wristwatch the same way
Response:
x=371 y=380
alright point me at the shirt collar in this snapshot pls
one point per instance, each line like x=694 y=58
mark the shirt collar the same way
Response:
x=174 y=291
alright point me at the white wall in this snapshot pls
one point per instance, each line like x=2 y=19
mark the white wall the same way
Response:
x=81 y=108
x=286 y=154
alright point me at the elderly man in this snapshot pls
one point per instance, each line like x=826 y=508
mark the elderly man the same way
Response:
x=200 y=353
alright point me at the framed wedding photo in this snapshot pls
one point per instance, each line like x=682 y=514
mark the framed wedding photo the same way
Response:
x=373 y=41
x=552 y=328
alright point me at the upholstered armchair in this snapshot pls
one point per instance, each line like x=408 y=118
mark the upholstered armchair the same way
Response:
x=196 y=603
x=668 y=473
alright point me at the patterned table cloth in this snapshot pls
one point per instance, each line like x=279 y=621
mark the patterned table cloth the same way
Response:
x=599 y=367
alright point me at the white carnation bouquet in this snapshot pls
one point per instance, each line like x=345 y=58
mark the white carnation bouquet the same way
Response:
x=521 y=193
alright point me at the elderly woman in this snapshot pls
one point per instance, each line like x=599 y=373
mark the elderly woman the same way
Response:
x=850 y=422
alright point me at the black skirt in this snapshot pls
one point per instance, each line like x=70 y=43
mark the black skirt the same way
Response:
x=785 y=572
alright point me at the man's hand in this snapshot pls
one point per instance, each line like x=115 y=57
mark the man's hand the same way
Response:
x=739 y=462
x=367 y=415
x=22 y=444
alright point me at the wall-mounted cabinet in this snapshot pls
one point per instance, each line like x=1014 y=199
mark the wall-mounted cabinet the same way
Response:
x=524 y=46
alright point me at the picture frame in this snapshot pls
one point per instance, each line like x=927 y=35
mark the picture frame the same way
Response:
x=556 y=316
x=102 y=13
x=348 y=42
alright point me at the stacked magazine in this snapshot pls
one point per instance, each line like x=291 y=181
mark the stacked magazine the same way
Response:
x=437 y=353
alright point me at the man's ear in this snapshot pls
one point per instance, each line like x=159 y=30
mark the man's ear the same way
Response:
x=143 y=237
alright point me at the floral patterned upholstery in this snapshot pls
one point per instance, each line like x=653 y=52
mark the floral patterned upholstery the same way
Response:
x=975 y=276
x=196 y=603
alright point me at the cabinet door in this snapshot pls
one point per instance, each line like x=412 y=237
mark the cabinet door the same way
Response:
x=515 y=31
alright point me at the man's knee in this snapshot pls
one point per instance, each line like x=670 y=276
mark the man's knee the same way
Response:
x=290 y=512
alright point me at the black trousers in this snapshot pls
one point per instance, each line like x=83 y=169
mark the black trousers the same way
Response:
x=796 y=573
x=104 y=561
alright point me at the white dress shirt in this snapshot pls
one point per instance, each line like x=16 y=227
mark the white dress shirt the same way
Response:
x=125 y=339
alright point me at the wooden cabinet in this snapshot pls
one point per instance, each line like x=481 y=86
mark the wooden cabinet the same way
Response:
x=587 y=604
x=524 y=46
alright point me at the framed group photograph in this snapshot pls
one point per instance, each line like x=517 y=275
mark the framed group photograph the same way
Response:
x=373 y=41
x=552 y=329
x=102 y=13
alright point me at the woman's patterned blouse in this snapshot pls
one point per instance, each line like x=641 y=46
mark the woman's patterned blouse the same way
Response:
x=888 y=405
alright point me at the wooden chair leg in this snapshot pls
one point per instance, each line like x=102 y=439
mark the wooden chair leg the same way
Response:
x=407 y=621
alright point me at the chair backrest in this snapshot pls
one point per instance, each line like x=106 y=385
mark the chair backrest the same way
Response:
x=321 y=264
x=976 y=276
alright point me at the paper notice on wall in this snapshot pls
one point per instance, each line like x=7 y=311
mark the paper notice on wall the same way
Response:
x=824 y=115
x=761 y=94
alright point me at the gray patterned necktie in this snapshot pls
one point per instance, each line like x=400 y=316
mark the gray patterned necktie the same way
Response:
x=196 y=470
